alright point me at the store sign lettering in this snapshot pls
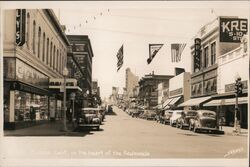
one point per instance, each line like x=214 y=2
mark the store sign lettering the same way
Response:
x=20 y=26
x=30 y=75
x=197 y=54
x=232 y=29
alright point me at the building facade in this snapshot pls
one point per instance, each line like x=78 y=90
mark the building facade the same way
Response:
x=35 y=50
x=82 y=55
x=217 y=58
x=179 y=90
x=148 y=93
x=131 y=81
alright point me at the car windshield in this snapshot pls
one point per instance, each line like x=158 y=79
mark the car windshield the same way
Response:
x=178 y=113
x=89 y=112
x=207 y=114
x=191 y=113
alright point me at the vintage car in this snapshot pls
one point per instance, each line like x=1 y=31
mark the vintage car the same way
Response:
x=205 y=120
x=149 y=114
x=135 y=113
x=165 y=117
x=88 y=117
x=176 y=115
x=184 y=120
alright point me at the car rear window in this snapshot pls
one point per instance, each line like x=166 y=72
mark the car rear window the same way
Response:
x=191 y=113
x=211 y=115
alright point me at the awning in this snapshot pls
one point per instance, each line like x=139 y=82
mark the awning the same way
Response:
x=194 y=102
x=174 y=100
x=159 y=106
x=166 y=103
x=224 y=102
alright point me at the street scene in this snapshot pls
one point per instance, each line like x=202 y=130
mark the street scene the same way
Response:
x=145 y=81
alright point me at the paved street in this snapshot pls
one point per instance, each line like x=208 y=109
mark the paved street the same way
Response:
x=122 y=136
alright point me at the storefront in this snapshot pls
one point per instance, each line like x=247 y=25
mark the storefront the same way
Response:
x=26 y=99
x=179 y=91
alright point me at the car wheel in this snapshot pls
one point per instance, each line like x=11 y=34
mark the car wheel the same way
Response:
x=181 y=127
x=190 y=127
x=98 y=128
x=177 y=125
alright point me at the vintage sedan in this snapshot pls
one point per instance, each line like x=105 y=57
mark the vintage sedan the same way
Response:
x=176 y=115
x=149 y=114
x=205 y=120
x=165 y=118
x=184 y=120
x=88 y=117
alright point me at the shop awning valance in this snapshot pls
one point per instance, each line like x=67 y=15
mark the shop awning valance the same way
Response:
x=166 y=103
x=222 y=102
x=174 y=100
x=194 y=102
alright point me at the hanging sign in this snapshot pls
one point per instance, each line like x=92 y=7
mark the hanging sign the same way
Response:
x=20 y=26
x=232 y=29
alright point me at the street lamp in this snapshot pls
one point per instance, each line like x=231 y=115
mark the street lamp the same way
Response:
x=238 y=91
x=65 y=74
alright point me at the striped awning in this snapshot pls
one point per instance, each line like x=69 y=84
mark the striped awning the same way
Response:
x=174 y=100
x=166 y=103
x=194 y=101
x=224 y=102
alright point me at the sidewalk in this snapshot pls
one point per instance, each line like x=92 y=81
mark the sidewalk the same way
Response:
x=229 y=131
x=46 y=129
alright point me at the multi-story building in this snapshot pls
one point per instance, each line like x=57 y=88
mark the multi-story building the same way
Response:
x=179 y=90
x=211 y=46
x=163 y=93
x=131 y=81
x=34 y=51
x=82 y=55
x=148 y=93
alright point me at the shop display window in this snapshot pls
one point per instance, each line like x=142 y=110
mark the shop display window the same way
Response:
x=30 y=106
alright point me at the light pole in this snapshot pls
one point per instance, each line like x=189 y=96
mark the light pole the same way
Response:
x=65 y=74
x=238 y=91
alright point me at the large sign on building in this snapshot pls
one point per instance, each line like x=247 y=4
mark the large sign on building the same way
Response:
x=232 y=29
x=197 y=54
x=20 y=26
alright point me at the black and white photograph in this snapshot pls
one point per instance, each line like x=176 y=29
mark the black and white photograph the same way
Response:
x=124 y=83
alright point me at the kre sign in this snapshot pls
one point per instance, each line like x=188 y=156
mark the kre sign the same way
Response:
x=20 y=26
x=232 y=29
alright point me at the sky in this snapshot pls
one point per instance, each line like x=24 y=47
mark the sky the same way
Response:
x=135 y=25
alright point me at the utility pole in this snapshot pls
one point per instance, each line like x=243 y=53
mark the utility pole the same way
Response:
x=238 y=92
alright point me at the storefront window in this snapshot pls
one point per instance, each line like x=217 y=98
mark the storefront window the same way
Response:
x=30 y=107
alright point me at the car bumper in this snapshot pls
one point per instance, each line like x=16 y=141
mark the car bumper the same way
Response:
x=88 y=125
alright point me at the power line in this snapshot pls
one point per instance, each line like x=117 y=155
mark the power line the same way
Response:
x=134 y=33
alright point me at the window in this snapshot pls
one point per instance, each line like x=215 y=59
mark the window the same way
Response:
x=34 y=37
x=213 y=53
x=39 y=42
x=54 y=56
x=57 y=60
x=50 y=59
x=28 y=31
x=47 y=54
x=43 y=58
x=206 y=57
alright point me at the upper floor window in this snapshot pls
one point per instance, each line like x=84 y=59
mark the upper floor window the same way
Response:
x=54 y=56
x=50 y=59
x=43 y=58
x=28 y=30
x=34 y=37
x=213 y=53
x=206 y=57
x=47 y=54
x=39 y=42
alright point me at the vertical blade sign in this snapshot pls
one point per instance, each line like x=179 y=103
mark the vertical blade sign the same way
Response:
x=20 y=26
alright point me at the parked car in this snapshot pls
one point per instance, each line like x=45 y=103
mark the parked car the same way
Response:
x=205 y=120
x=184 y=120
x=165 y=118
x=136 y=113
x=87 y=117
x=149 y=114
x=176 y=114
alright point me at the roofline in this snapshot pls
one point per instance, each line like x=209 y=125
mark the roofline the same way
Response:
x=57 y=25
